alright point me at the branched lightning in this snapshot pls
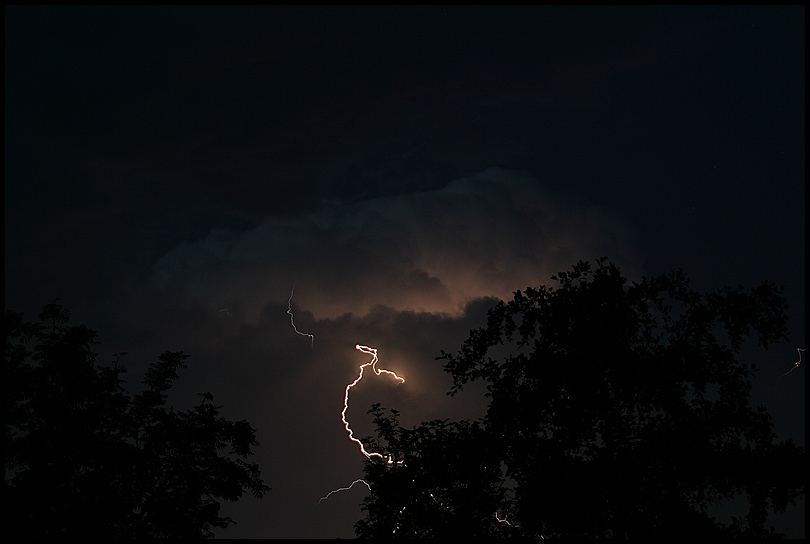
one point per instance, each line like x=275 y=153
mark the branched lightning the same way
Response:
x=289 y=311
x=373 y=352
x=373 y=364
x=362 y=481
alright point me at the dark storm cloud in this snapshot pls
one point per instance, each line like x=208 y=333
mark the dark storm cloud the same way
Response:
x=433 y=251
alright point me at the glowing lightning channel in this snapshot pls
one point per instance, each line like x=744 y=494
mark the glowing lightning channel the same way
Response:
x=289 y=311
x=796 y=364
x=373 y=352
x=362 y=481
x=502 y=520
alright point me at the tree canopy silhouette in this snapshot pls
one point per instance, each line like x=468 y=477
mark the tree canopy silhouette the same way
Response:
x=84 y=458
x=615 y=409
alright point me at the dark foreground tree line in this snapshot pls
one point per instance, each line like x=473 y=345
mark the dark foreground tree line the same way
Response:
x=84 y=458
x=616 y=409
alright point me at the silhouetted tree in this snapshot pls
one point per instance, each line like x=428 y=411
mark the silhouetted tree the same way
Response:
x=86 y=459
x=616 y=410
x=445 y=482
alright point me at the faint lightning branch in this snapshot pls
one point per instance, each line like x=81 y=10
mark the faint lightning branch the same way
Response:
x=289 y=311
x=795 y=366
x=226 y=312
x=502 y=520
x=362 y=481
x=373 y=352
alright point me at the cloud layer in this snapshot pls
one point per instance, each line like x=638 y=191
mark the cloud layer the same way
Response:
x=432 y=251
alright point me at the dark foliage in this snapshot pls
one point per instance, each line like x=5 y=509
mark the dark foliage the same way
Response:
x=86 y=459
x=615 y=410
x=444 y=484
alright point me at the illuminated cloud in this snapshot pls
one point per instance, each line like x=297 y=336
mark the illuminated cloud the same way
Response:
x=431 y=251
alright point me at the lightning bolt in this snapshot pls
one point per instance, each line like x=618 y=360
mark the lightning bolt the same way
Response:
x=289 y=311
x=362 y=481
x=373 y=364
x=373 y=352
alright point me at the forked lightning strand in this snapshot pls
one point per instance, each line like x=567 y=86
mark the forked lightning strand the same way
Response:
x=504 y=520
x=373 y=352
x=362 y=481
x=289 y=311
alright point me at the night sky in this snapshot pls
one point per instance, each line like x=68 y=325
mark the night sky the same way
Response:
x=173 y=172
